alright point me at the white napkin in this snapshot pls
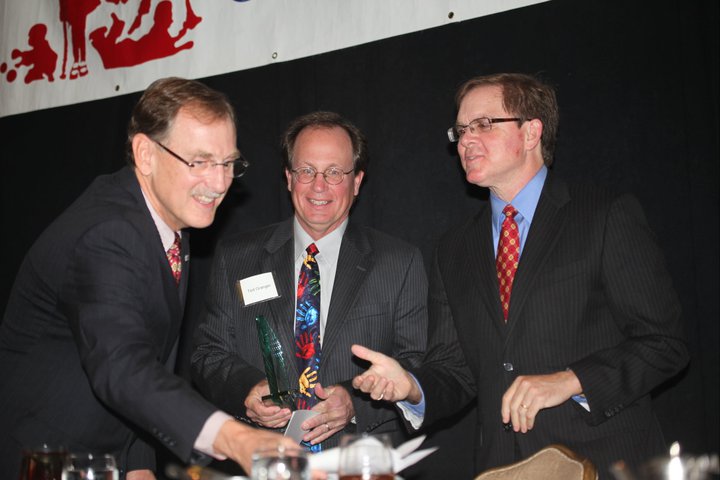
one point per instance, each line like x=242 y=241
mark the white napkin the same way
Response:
x=403 y=456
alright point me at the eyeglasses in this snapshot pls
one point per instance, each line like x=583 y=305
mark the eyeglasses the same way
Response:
x=333 y=175
x=482 y=124
x=202 y=168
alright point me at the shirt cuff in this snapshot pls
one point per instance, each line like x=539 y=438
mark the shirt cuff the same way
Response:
x=414 y=413
x=204 y=441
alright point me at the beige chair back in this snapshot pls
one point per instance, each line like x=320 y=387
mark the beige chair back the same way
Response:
x=555 y=461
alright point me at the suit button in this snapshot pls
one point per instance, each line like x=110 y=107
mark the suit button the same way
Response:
x=508 y=367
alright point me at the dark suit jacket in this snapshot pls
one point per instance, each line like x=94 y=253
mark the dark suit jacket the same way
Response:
x=378 y=300
x=591 y=293
x=87 y=340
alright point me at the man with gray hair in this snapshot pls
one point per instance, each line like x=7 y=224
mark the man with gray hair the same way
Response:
x=89 y=338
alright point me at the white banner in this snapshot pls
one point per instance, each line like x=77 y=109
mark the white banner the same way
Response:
x=58 y=52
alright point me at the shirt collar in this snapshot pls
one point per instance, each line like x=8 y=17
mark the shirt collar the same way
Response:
x=167 y=235
x=328 y=246
x=525 y=202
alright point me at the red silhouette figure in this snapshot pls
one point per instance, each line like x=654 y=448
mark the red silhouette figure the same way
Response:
x=73 y=15
x=191 y=19
x=41 y=58
x=157 y=43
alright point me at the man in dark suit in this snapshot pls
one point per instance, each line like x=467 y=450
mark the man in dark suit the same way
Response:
x=551 y=306
x=88 y=340
x=372 y=289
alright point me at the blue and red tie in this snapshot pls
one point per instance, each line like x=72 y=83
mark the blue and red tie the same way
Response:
x=307 y=331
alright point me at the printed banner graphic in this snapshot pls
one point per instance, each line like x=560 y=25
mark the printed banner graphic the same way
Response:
x=58 y=52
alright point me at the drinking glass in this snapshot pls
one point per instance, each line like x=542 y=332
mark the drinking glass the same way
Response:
x=88 y=466
x=365 y=457
x=43 y=463
x=280 y=463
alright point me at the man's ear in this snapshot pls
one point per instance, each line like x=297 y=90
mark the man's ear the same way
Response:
x=358 y=181
x=288 y=177
x=533 y=133
x=143 y=153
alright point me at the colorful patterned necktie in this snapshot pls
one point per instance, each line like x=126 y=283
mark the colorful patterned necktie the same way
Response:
x=508 y=255
x=307 y=329
x=173 y=256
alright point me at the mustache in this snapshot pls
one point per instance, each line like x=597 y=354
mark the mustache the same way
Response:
x=204 y=192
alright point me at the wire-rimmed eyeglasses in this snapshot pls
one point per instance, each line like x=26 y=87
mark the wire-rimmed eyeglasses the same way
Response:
x=200 y=168
x=333 y=175
x=482 y=124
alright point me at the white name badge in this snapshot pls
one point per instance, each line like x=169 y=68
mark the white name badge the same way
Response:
x=257 y=288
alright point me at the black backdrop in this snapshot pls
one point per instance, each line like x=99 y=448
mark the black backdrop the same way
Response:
x=637 y=84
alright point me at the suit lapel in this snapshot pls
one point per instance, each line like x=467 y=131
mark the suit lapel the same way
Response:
x=278 y=258
x=546 y=228
x=481 y=256
x=354 y=263
x=174 y=295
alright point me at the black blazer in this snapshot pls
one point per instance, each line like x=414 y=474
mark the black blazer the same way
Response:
x=591 y=293
x=88 y=338
x=378 y=300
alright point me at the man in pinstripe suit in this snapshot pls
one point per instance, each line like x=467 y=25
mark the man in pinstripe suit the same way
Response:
x=373 y=290
x=593 y=323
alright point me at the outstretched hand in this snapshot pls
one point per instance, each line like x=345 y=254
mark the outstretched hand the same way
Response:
x=386 y=379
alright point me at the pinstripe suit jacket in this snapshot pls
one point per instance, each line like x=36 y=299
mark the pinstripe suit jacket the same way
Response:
x=378 y=300
x=87 y=341
x=591 y=293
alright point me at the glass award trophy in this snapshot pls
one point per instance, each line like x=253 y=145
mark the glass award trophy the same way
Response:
x=281 y=392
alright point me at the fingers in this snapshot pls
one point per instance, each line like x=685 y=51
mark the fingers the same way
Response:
x=366 y=354
x=322 y=432
x=322 y=393
x=333 y=414
x=271 y=416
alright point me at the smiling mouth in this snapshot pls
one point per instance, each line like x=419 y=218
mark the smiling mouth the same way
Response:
x=318 y=203
x=206 y=199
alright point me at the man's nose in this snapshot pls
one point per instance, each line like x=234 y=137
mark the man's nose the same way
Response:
x=319 y=184
x=217 y=179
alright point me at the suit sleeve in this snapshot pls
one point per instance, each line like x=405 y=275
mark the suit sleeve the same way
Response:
x=444 y=376
x=218 y=370
x=120 y=326
x=409 y=318
x=645 y=308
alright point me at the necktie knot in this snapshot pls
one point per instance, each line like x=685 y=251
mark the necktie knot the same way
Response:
x=312 y=250
x=509 y=211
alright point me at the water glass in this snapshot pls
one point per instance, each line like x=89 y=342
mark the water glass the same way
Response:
x=280 y=463
x=365 y=457
x=88 y=466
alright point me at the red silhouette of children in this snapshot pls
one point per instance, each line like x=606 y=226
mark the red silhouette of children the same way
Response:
x=191 y=20
x=41 y=58
x=73 y=15
x=157 y=43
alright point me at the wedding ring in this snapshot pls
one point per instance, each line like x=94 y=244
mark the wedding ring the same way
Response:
x=523 y=406
x=327 y=426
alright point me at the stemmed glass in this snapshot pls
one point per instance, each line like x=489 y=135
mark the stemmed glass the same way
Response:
x=365 y=457
x=88 y=466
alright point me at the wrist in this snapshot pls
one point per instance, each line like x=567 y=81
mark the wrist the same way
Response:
x=414 y=395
